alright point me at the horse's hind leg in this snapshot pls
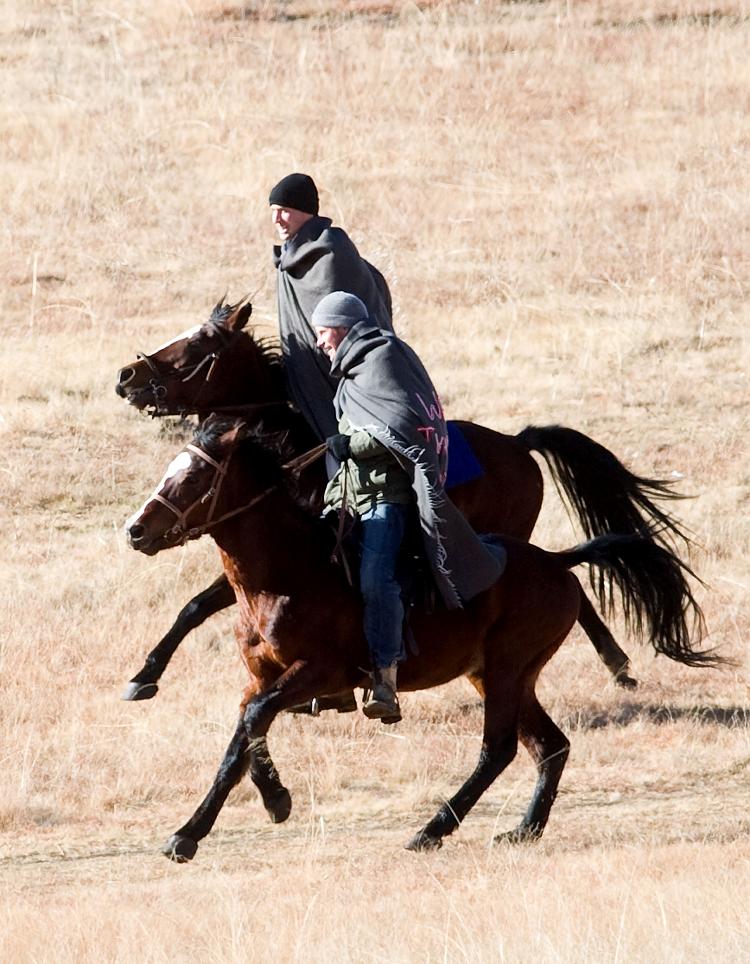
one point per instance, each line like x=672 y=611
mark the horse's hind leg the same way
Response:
x=549 y=749
x=218 y=596
x=616 y=661
x=499 y=746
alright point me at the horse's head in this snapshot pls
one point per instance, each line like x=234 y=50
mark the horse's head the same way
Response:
x=214 y=365
x=204 y=485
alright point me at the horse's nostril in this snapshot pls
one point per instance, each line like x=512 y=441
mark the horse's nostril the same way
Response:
x=124 y=376
x=135 y=533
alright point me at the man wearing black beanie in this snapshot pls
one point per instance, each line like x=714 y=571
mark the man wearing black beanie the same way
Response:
x=313 y=260
x=296 y=191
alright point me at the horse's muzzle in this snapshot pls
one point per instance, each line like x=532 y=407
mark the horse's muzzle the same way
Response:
x=138 y=539
x=124 y=377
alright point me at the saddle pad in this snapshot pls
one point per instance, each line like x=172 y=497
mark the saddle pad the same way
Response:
x=463 y=465
x=494 y=544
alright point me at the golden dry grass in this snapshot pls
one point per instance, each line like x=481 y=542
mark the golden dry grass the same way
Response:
x=558 y=194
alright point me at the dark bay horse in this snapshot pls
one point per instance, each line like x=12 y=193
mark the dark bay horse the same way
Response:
x=300 y=624
x=220 y=367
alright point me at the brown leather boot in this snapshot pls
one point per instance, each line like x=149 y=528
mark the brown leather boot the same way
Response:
x=383 y=702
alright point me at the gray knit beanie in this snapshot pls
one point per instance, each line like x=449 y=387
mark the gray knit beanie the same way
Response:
x=339 y=309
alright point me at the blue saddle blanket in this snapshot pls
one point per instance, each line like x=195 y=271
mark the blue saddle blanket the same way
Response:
x=463 y=465
x=494 y=544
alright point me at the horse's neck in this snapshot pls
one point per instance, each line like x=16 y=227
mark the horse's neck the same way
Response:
x=257 y=379
x=258 y=375
x=272 y=549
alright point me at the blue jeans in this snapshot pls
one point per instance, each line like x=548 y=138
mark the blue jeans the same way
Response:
x=381 y=534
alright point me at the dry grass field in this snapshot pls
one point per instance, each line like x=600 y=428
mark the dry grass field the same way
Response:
x=559 y=195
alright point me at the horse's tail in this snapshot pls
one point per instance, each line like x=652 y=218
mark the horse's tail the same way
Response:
x=605 y=496
x=656 y=597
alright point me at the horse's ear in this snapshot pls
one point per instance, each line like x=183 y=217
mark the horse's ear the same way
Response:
x=239 y=431
x=231 y=432
x=238 y=319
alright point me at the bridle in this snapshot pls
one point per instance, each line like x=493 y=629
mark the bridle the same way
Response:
x=188 y=372
x=180 y=532
x=158 y=384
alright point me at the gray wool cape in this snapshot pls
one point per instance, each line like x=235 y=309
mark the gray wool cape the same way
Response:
x=384 y=389
x=317 y=260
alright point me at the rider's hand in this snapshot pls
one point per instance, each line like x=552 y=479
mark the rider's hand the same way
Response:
x=339 y=446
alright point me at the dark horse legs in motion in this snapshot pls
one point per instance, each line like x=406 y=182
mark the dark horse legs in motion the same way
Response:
x=218 y=596
x=220 y=366
x=302 y=632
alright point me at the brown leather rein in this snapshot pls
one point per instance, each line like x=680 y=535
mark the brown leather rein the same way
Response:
x=182 y=533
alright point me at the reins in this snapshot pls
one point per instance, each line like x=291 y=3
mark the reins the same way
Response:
x=244 y=409
x=339 y=550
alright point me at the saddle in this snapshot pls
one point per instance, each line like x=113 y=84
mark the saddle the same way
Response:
x=418 y=589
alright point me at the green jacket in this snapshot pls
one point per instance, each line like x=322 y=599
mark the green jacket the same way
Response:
x=372 y=475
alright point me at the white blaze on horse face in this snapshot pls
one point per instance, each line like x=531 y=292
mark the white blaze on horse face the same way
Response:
x=181 y=462
x=185 y=335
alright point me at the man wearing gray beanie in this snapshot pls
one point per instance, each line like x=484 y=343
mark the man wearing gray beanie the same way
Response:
x=392 y=446
x=314 y=259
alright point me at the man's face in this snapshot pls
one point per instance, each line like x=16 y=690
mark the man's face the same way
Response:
x=287 y=221
x=329 y=339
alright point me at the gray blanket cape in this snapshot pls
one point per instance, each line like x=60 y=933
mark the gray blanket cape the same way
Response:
x=385 y=390
x=320 y=259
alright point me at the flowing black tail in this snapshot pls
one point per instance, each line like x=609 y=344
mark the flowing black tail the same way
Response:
x=605 y=495
x=656 y=597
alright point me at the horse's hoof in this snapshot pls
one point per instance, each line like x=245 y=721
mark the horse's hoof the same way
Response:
x=280 y=807
x=521 y=835
x=139 y=691
x=180 y=849
x=625 y=682
x=423 y=842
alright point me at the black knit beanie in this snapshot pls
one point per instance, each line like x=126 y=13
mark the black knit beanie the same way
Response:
x=296 y=191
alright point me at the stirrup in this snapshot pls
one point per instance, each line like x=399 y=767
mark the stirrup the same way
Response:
x=345 y=702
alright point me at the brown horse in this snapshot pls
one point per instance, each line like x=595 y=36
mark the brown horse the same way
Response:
x=219 y=367
x=300 y=624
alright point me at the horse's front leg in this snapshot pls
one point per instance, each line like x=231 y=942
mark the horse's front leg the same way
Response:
x=299 y=683
x=183 y=844
x=218 y=596
x=248 y=750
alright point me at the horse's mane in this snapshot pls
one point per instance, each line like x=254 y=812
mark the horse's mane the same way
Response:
x=269 y=349
x=266 y=451
x=266 y=350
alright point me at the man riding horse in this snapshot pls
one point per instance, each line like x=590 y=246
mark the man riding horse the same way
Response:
x=313 y=260
x=392 y=449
